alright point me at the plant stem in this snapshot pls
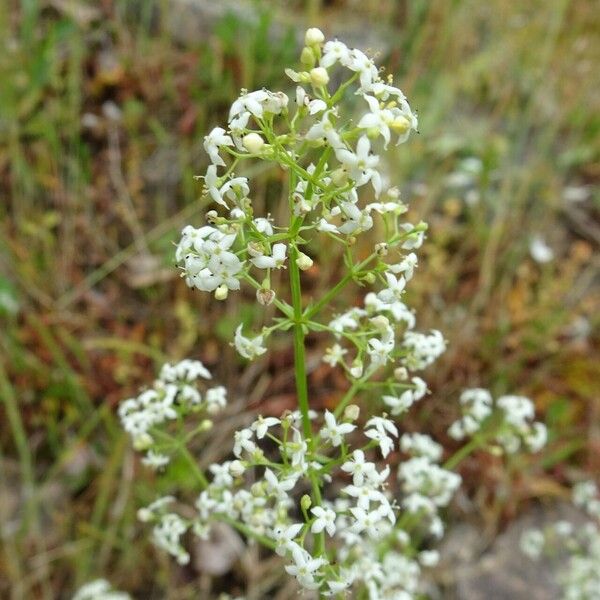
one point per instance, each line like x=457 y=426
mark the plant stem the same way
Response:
x=299 y=354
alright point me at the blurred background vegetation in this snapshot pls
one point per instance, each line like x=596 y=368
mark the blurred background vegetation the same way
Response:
x=103 y=109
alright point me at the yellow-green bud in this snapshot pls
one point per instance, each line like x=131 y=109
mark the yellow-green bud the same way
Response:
x=143 y=441
x=144 y=515
x=305 y=502
x=313 y=36
x=304 y=262
x=253 y=143
x=370 y=278
x=352 y=412
x=401 y=374
x=307 y=58
x=319 y=76
x=400 y=125
x=221 y=292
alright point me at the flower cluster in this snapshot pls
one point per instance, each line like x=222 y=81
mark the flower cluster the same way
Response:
x=173 y=395
x=511 y=417
x=317 y=487
x=579 y=577
x=100 y=589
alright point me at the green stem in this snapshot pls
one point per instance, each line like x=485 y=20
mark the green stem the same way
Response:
x=299 y=354
x=341 y=284
x=462 y=453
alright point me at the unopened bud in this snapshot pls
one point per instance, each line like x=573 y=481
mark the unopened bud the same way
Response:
x=307 y=58
x=319 y=76
x=352 y=412
x=400 y=125
x=265 y=296
x=143 y=441
x=205 y=425
x=221 y=292
x=305 y=502
x=380 y=322
x=370 y=278
x=313 y=36
x=144 y=515
x=255 y=249
x=212 y=216
x=237 y=468
x=304 y=262
x=401 y=374
x=357 y=368
x=253 y=143
x=340 y=176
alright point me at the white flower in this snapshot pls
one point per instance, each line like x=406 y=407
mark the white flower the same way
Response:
x=334 y=51
x=406 y=267
x=359 y=62
x=213 y=141
x=284 y=535
x=275 y=261
x=278 y=487
x=354 y=219
x=243 y=441
x=248 y=348
x=394 y=290
x=216 y=399
x=358 y=468
x=540 y=251
x=325 y=131
x=334 y=355
x=532 y=543
x=325 y=520
x=305 y=567
x=361 y=164
x=385 y=443
x=262 y=424
x=334 y=431
x=155 y=460
x=99 y=589
x=378 y=120
x=258 y=103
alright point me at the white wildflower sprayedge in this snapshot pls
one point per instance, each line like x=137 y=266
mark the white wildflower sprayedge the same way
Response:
x=576 y=549
x=317 y=488
x=100 y=589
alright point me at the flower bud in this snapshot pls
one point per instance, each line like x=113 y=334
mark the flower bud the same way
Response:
x=237 y=468
x=313 y=36
x=143 y=441
x=401 y=374
x=221 y=292
x=253 y=143
x=304 y=262
x=305 y=502
x=319 y=76
x=144 y=515
x=265 y=296
x=380 y=322
x=370 y=278
x=205 y=425
x=400 y=125
x=211 y=217
x=381 y=249
x=307 y=58
x=352 y=412
x=340 y=176
x=357 y=368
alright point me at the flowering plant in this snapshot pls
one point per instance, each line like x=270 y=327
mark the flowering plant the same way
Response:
x=579 y=571
x=318 y=488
